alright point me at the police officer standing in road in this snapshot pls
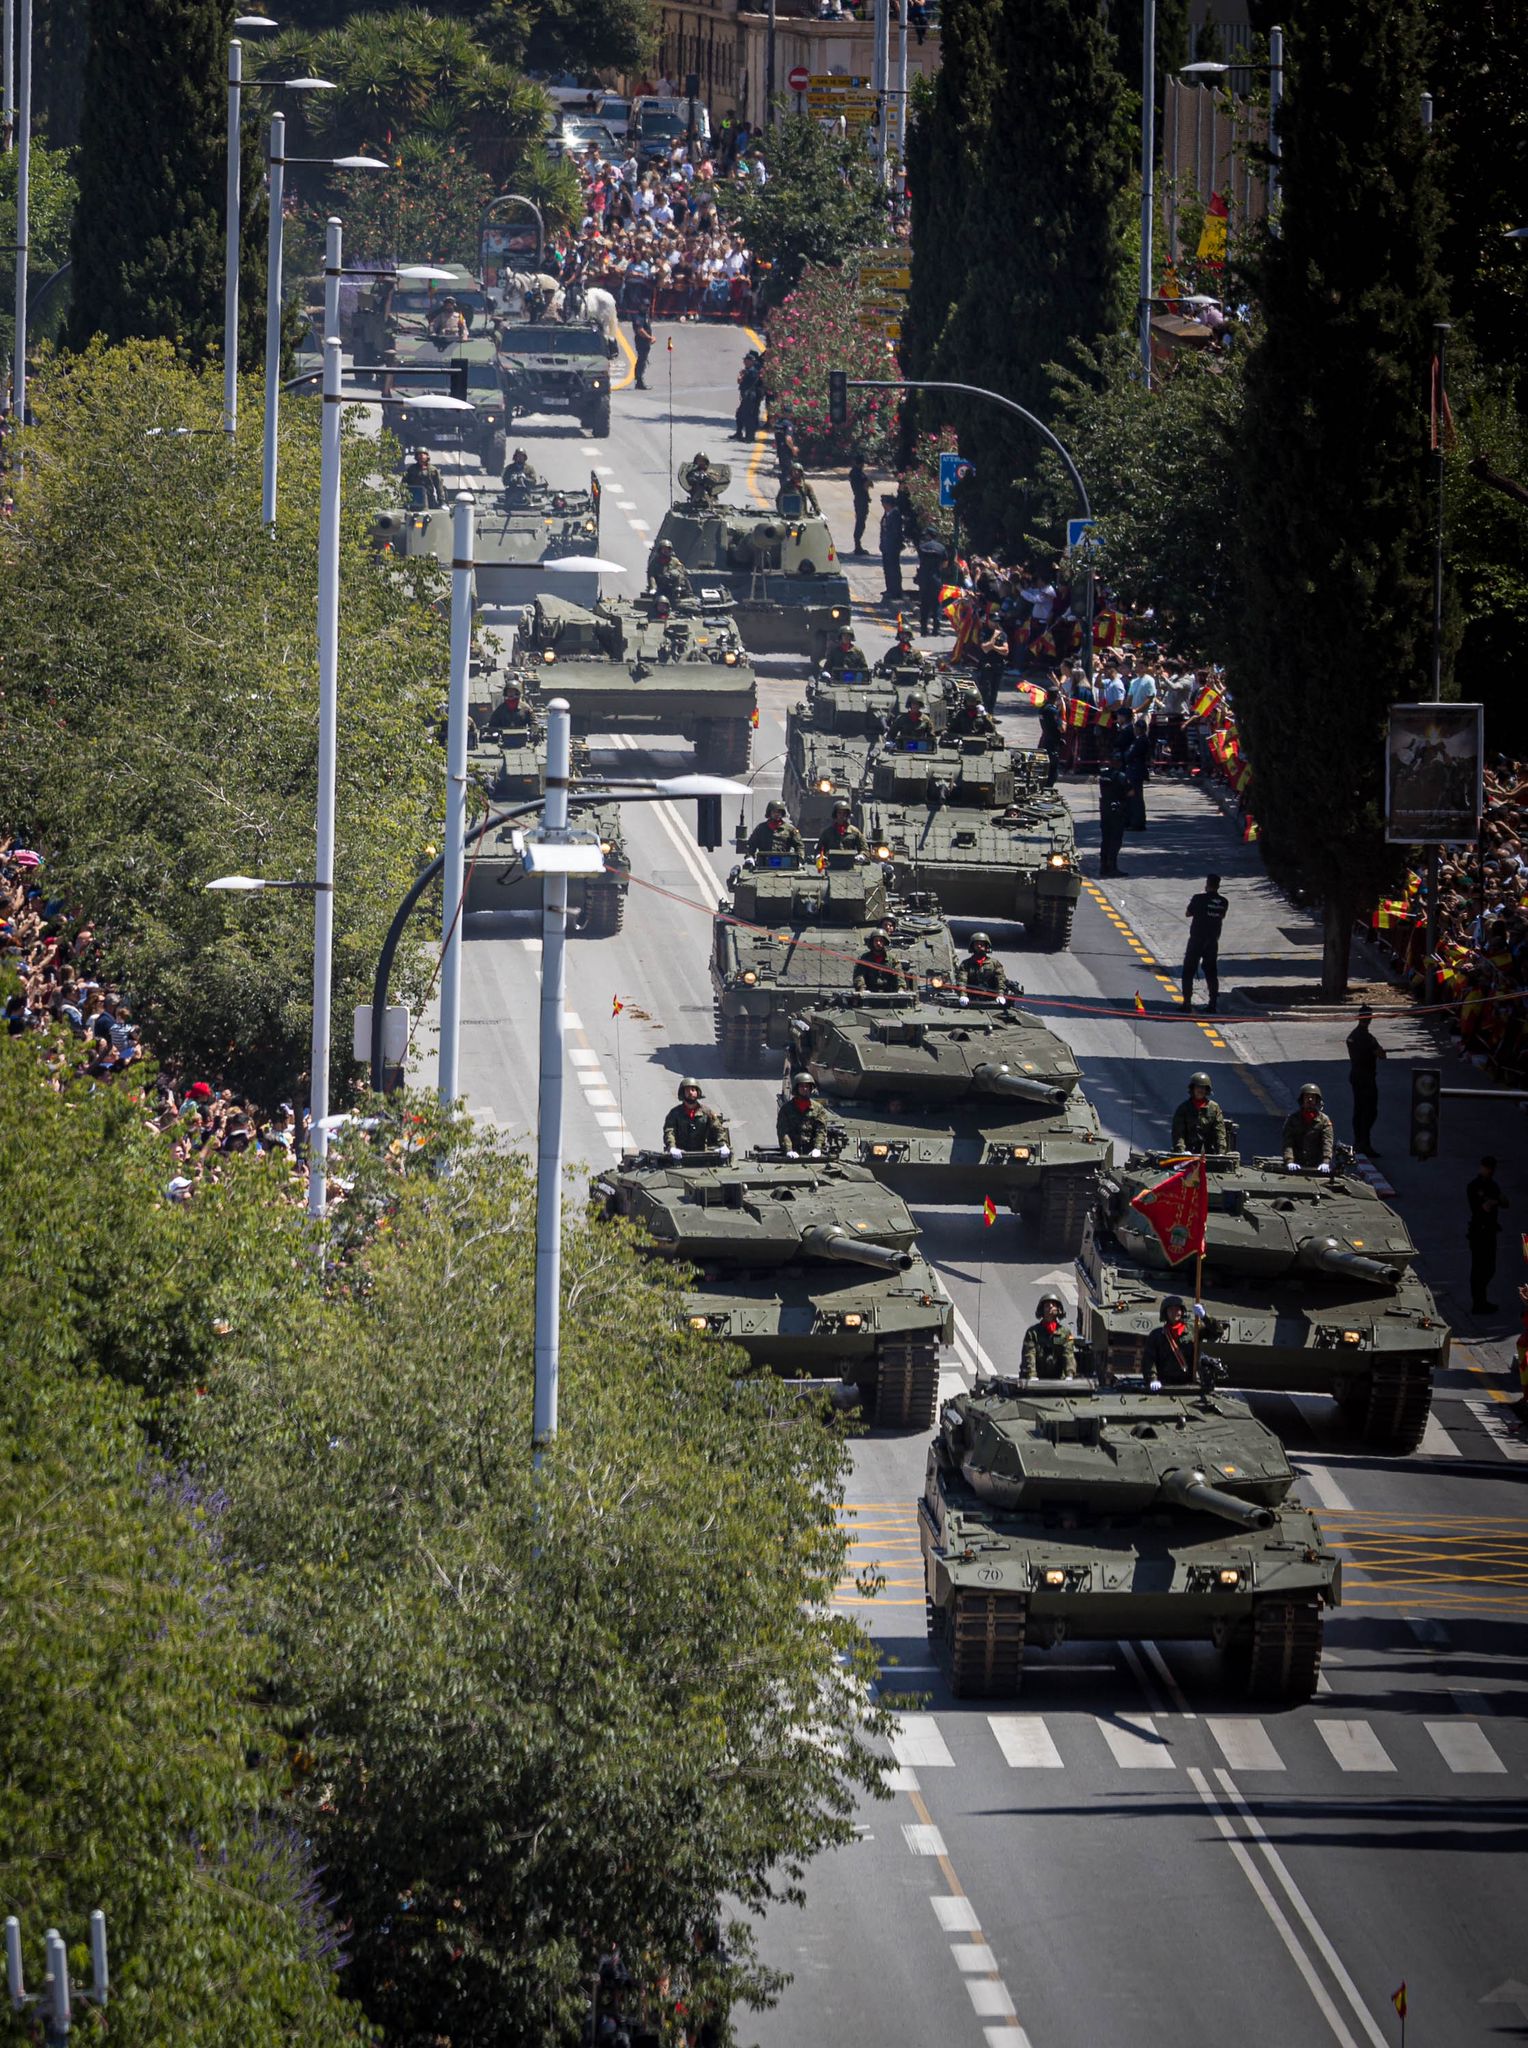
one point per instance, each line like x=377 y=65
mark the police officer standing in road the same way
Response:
x=641 y=345
x=802 y=1124
x=1198 y=1125
x=930 y=581
x=1308 y=1135
x=1486 y=1200
x=859 y=489
x=1113 y=810
x=1049 y=1353
x=1364 y=1055
x=1206 y=914
x=693 y=1125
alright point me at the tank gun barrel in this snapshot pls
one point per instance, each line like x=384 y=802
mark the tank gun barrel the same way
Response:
x=1191 y=1489
x=832 y=1241
x=996 y=1080
x=1326 y=1255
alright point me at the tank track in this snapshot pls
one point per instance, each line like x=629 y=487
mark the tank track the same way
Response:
x=1065 y=1198
x=604 y=911
x=907 y=1382
x=980 y=1639
x=1050 y=930
x=722 y=746
x=1284 y=1656
x=738 y=1040
x=1391 y=1409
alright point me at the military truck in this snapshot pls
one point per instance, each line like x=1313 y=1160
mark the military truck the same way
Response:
x=645 y=665
x=809 y=1265
x=515 y=532
x=947 y=1104
x=480 y=432
x=1308 y=1286
x=555 y=366
x=781 y=572
x=793 y=931
x=1066 y=1511
x=978 y=823
x=509 y=767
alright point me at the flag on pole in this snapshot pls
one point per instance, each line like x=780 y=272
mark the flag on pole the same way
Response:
x=1212 y=236
x=1251 y=832
x=753 y=718
x=1178 y=1210
x=989 y=1212
x=1140 y=1007
x=671 y=344
x=1398 y=1999
x=616 y=1006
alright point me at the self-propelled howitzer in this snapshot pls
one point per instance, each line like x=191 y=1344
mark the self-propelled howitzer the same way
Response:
x=809 y=1265
x=1308 y=1285
x=951 y=1104
x=1064 y=1510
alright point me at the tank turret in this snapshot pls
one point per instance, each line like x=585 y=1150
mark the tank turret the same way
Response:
x=831 y=1241
x=1073 y=1511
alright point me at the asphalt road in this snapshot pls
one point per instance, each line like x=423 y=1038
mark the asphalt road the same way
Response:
x=1126 y=1856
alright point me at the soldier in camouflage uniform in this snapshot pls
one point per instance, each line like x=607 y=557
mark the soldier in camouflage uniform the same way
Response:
x=841 y=836
x=1308 y=1134
x=802 y=1124
x=971 y=719
x=694 y=1126
x=667 y=574
x=1198 y=1125
x=875 y=971
x=979 y=974
x=1048 y=1352
x=912 y=728
x=776 y=834
x=846 y=653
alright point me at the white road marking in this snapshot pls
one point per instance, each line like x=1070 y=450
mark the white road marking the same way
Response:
x=1174 y=1690
x=971 y=1956
x=1321 y=1483
x=951 y=1383
x=922 y=1840
x=1323 y=1683
x=1026 y=1742
x=572 y=1020
x=604 y=469
x=609 y=1119
x=1508 y=1439
x=1275 y=1912
x=1354 y=1746
x=917 y=1741
x=1005 y=2037
x=1135 y=1742
x=1463 y=1746
x=627 y=504
x=582 y=1056
x=901 y=1779
x=955 y=1916
x=1436 y=1441
x=1245 y=1745
x=596 y=1094
x=965 y=1340
x=990 y=1997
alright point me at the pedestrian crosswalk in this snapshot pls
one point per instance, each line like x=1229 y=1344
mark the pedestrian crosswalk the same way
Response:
x=1323 y=1742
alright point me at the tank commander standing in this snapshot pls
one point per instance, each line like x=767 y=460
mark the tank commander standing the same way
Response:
x=875 y=972
x=693 y=1125
x=979 y=974
x=841 y=836
x=422 y=482
x=1168 y=1355
x=700 y=486
x=1198 y=1124
x=1049 y=1353
x=776 y=834
x=1308 y=1135
x=912 y=730
x=970 y=719
x=802 y=1124
x=510 y=715
x=667 y=574
x=519 y=477
x=845 y=654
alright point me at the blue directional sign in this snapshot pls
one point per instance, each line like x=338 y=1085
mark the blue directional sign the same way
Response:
x=1077 y=530
x=953 y=470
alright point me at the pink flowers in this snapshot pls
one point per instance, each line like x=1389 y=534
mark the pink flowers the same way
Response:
x=816 y=329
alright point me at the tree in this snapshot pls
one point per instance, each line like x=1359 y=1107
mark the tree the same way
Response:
x=820 y=205
x=1055 y=157
x=148 y=234
x=1334 y=525
x=50 y=214
x=814 y=330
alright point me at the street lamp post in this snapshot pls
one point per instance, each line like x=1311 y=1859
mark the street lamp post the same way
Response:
x=1148 y=175
x=8 y=79
x=328 y=717
x=453 y=907
x=23 y=210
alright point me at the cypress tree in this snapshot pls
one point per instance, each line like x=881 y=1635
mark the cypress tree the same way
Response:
x=1041 y=257
x=148 y=236
x=1334 y=537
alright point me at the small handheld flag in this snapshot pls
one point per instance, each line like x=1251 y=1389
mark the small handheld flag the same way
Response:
x=1140 y=1007
x=753 y=718
x=1398 y=1999
x=616 y=1006
x=671 y=344
x=989 y=1212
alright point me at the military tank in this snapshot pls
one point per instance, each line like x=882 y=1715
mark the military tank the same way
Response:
x=831 y=734
x=644 y=665
x=955 y=1105
x=780 y=570
x=514 y=533
x=793 y=931
x=1308 y=1286
x=1062 y=1511
x=978 y=823
x=809 y=1265
x=509 y=767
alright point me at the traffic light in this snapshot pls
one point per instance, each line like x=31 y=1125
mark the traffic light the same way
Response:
x=1426 y=1101
x=708 y=822
x=838 y=398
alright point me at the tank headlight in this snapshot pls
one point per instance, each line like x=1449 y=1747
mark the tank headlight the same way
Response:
x=1058 y=860
x=1230 y=1576
x=730 y=658
x=825 y=784
x=549 y=655
x=700 y=1322
x=853 y=1322
x=883 y=853
x=1019 y=1152
x=880 y=1151
x=607 y=846
x=1352 y=1337
x=749 y=977
x=1054 y=1575
x=936 y=981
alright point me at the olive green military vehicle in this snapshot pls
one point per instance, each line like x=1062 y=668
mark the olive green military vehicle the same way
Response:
x=832 y=732
x=643 y=665
x=509 y=767
x=555 y=366
x=809 y=1265
x=781 y=572
x=1064 y=1511
x=794 y=931
x=480 y=432
x=1307 y=1286
x=978 y=823
x=947 y=1104
x=514 y=533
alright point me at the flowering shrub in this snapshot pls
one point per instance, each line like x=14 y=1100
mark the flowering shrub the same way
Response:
x=814 y=330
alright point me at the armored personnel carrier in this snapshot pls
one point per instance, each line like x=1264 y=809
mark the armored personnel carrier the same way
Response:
x=480 y=432
x=515 y=532
x=954 y=1105
x=978 y=823
x=555 y=366
x=809 y=1265
x=793 y=932
x=510 y=768
x=1307 y=1286
x=1060 y=1510
x=781 y=572
x=642 y=665
x=832 y=732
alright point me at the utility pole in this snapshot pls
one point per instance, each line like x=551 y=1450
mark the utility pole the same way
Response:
x=1148 y=173
x=453 y=908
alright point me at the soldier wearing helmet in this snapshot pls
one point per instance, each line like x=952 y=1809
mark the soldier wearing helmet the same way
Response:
x=666 y=574
x=979 y=974
x=1048 y=1353
x=1198 y=1125
x=874 y=970
x=693 y=1125
x=776 y=834
x=1167 y=1357
x=1308 y=1135
x=511 y=715
x=970 y=718
x=845 y=655
x=802 y=1125
x=519 y=477
x=912 y=730
x=840 y=836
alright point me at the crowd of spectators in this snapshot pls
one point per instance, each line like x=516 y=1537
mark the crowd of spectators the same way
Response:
x=65 y=991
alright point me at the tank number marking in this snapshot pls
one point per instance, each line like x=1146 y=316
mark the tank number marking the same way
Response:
x=989 y=1572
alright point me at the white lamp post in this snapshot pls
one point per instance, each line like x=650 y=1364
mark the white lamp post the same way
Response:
x=456 y=797
x=23 y=195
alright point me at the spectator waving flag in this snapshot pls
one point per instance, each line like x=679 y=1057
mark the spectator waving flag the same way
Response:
x=1178 y=1210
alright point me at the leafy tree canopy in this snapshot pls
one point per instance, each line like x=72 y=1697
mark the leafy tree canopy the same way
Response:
x=820 y=205
x=50 y=212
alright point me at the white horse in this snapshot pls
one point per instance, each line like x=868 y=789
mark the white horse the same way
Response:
x=516 y=283
x=600 y=307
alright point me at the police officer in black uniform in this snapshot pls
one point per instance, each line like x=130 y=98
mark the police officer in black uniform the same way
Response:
x=1206 y=914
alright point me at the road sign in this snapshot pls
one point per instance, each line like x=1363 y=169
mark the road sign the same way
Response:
x=1077 y=531
x=953 y=470
x=886 y=277
x=798 y=78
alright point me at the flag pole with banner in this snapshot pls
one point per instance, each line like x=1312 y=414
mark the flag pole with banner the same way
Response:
x=1178 y=1210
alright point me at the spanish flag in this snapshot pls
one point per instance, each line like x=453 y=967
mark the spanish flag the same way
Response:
x=1398 y=1999
x=616 y=1006
x=1140 y=1007
x=950 y=595
x=1207 y=699
x=753 y=718
x=1212 y=236
x=1251 y=832
x=1079 y=715
x=1032 y=693
x=989 y=1212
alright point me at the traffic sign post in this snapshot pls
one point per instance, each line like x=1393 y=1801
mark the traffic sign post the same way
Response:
x=953 y=471
x=798 y=78
x=1077 y=531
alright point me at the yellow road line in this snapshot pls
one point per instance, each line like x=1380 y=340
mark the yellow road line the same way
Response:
x=631 y=363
